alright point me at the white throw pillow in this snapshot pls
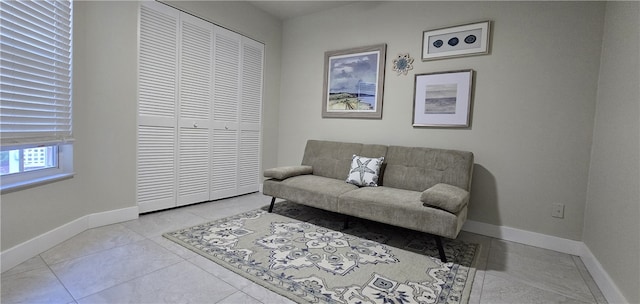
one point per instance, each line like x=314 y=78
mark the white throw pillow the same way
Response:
x=365 y=171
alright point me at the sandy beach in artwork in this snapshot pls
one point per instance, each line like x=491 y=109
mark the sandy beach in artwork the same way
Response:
x=346 y=101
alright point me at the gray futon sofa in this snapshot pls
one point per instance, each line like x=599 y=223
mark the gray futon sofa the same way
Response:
x=417 y=188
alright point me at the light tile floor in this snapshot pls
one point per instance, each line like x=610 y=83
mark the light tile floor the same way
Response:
x=131 y=262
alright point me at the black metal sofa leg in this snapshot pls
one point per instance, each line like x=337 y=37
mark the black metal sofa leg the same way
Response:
x=443 y=257
x=273 y=201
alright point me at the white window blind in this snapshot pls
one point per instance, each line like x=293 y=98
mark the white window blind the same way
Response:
x=35 y=74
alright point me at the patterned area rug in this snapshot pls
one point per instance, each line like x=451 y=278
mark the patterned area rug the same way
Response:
x=304 y=253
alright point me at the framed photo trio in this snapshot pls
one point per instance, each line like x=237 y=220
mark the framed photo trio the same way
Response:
x=443 y=99
x=353 y=82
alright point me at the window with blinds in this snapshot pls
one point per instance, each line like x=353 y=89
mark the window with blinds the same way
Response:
x=35 y=91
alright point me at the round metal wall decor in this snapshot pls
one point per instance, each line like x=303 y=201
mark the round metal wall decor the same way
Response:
x=403 y=64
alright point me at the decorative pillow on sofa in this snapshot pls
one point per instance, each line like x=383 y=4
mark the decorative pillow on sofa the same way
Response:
x=364 y=171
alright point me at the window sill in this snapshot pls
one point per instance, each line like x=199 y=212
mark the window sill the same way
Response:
x=7 y=188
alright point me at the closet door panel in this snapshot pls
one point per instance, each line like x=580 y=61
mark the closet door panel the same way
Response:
x=193 y=175
x=249 y=161
x=226 y=100
x=194 y=99
x=251 y=89
x=156 y=168
x=226 y=79
x=156 y=132
x=224 y=174
x=250 y=114
x=157 y=61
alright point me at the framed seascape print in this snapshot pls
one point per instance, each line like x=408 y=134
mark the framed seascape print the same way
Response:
x=443 y=99
x=457 y=41
x=353 y=81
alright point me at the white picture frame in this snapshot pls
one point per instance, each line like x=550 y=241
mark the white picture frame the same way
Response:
x=457 y=41
x=443 y=99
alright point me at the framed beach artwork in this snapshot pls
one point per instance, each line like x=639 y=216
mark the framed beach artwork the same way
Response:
x=443 y=99
x=353 y=82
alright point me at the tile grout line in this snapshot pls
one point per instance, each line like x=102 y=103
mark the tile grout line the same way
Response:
x=92 y=253
x=59 y=280
x=598 y=297
x=237 y=291
x=537 y=285
x=132 y=279
x=101 y=251
x=484 y=271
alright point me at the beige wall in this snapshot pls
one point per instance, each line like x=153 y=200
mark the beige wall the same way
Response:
x=105 y=84
x=533 y=108
x=104 y=101
x=612 y=217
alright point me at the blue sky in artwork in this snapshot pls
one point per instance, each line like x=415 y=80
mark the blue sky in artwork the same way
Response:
x=350 y=72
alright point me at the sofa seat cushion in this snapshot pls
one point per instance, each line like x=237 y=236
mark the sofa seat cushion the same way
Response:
x=401 y=208
x=312 y=190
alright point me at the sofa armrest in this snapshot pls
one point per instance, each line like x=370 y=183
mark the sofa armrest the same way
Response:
x=286 y=172
x=446 y=197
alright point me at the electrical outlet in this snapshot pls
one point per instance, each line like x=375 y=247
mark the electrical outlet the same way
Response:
x=558 y=210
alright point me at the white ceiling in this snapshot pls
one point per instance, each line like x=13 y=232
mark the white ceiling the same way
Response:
x=288 y=9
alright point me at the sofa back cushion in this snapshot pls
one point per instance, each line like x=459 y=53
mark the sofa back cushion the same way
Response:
x=333 y=159
x=418 y=169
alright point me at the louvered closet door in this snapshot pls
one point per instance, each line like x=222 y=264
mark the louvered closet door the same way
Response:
x=156 y=167
x=250 y=116
x=226 y=98
x=194 y=99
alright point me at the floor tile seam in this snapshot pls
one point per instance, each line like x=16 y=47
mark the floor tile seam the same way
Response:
x=61 y=283
x=95 y=253
x=543 y=250
x=190 y=260
x=180 y=259
x=237 y=291
x=131 y=230
x=484 y=271
x=5 y=273
x=168 y=249
x=116 y=236
x=491 y=266
x=126 y=281
x=194 y=213
x=567 y=257
x=588 y=280
x=522 y=259
x=537 y=285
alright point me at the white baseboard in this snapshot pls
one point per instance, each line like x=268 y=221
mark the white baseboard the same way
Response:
x=599 y=274
x=601 y=277
x=22 y=252
x=525 y=237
